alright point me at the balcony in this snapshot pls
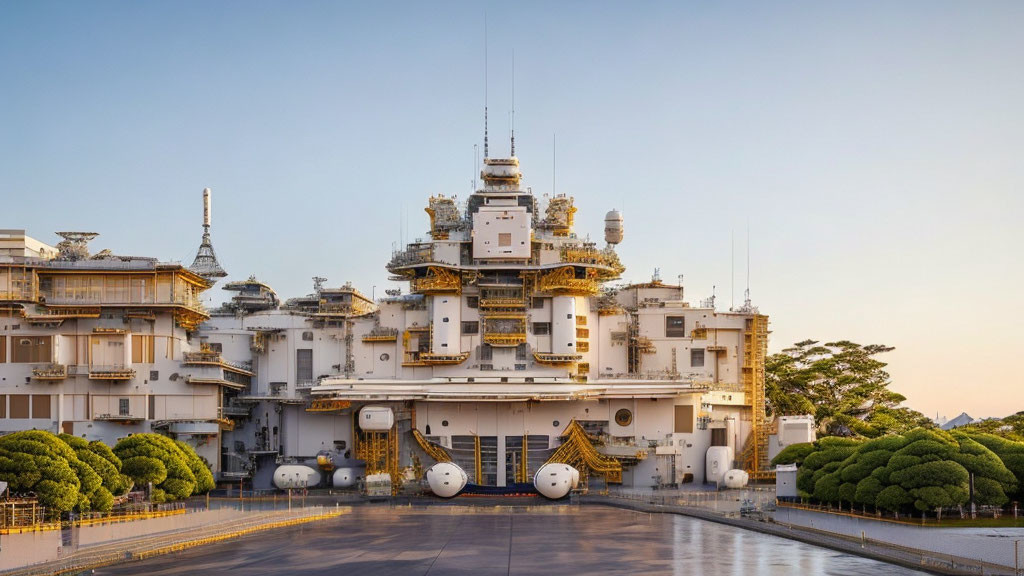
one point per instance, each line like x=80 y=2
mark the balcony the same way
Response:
x=207 y=358
x=379 y=334
x=111 y=372
x=502 y=303
x=232 y=410
x=437 y=281
x=553 y=359
x=505 y=338
x=50 y=372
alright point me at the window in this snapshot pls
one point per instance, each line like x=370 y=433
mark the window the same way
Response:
x=31 y=349
x=3 y=406
x=684 y=420
x=3 y=349
x=473 y=301
x=19 y=405
x=307 y=336
x=674 y=327
x=143 y=349
x=215 y=347
x=471 y=327
x=504 y=239
x=522 y=350
x=41 y=406
x=537 y=304
x=542 y=328
x=445 y=319
x=697 y=357
x=486 y=352
x=303 y=365
x=122 y=407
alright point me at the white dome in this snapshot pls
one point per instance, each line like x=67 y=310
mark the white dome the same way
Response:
x=295 y=476
x=613 y=227
x=736 y=478
x=446 y=479
x=344 y=478
x=556 y=480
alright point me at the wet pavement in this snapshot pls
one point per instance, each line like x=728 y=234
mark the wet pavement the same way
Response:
x=549 y=540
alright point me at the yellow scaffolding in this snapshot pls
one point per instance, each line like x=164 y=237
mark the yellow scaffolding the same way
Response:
x=577 y=450
x=433 y=450
x=755 y=349
x=379 y=449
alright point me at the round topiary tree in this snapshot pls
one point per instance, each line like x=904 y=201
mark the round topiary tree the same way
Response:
x=200 y=469
x=794 y=454
x=36 y=461
x=1011 y=453
x=164 y=462
x=113 y=483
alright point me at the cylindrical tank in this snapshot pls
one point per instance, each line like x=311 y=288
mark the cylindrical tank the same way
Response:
x=295 y=476
x=736 y=478
x=613 y=229
x=446 y=479
x=717 y=462
x=563 y=325
x=447 y=324
x=344 y=478
x=556 y=480
x=730 y=433
x=376 y=418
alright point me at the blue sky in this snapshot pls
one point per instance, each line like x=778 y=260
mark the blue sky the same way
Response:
x=873 y=148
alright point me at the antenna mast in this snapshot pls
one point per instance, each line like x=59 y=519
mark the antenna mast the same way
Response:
x=513 y=103
x=485 y=85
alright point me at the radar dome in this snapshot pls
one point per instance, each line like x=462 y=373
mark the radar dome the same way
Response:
x=554 y=481
x=613 y=229
x=295 y=476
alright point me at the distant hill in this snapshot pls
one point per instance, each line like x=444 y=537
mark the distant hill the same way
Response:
x=1010 y=427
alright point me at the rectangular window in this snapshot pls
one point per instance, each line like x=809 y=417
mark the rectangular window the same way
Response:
x=697 y=357
x=486 y=352
x=674 y=327
x=307 y=336
x=303 y=365
x=522 y=351
x=473 y=301
x=541 y=328
x=684 y=420
x=143 y=348
x=537 y=304
x=471 y=327
x=32 y=349
x=3 y=349
x=19 y=405
x=3 y=406
x=215 y=347
x=504 y=239
x=122 y=407
x=41 y=406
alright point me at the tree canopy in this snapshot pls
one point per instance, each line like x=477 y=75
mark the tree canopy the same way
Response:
x=173 y=467
x=38 y=462
x=924 y=469
x=842 y=384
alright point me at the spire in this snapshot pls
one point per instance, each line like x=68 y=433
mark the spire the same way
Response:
x=206 y=264
x=485 y=85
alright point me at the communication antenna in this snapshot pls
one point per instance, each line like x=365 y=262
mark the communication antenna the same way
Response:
x=513 y=131
x=746 y=294
x=485 y=85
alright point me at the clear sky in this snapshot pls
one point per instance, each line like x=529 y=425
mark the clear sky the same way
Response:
x=874 y=149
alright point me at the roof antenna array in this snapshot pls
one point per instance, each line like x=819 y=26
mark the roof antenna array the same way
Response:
x=513 y=103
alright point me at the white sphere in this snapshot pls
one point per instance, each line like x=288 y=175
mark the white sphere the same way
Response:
x=344 y=478
x=556 y=480
x=613 y=228
x=736 y=479
x=296 y=476
x=446 y=479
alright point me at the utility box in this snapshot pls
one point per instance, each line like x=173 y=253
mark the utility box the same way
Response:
x=785 y=481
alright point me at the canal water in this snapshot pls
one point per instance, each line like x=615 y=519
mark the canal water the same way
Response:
x=542 y=540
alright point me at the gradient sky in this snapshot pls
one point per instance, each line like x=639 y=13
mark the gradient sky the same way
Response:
x=874 y=149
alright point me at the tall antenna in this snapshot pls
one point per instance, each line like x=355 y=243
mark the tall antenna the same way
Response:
x=732 y=268
x=485 y=85
x=513 y=131
x=746 y=294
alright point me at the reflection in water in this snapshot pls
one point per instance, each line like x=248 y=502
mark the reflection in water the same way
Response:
x=507 y=541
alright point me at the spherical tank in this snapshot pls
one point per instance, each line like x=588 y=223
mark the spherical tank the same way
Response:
x=344 y=478
x=446 y=479
x=554 y=481
x=613 y=228
x=295 y=476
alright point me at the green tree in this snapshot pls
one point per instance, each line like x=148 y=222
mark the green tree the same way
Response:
x=1010 y=453
x=842 y=384
x=164 y=462
x=37 y=461
x=113 y=482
